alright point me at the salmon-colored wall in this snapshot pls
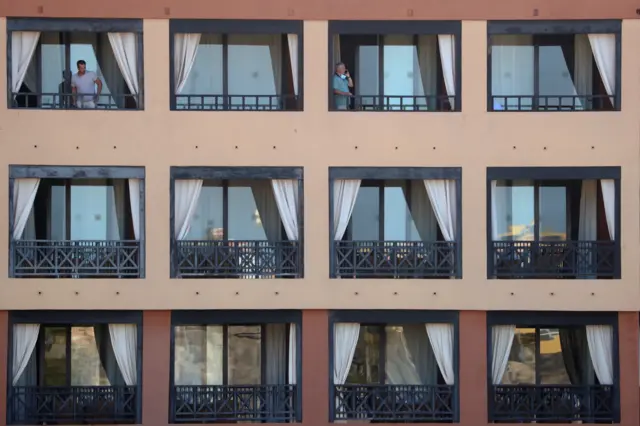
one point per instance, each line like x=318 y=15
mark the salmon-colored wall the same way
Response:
x=316 y=140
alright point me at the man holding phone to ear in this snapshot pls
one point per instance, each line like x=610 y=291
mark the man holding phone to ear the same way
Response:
x=342 y=82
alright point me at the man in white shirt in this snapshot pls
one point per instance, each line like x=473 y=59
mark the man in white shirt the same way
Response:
x=83 y=86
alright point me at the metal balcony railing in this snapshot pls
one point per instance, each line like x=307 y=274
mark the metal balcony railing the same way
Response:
x=216 y=102
x=75 y=259
x=258 y=403
x=432 y=103
x=68 y=101
x=552 y=103
x=397 y=403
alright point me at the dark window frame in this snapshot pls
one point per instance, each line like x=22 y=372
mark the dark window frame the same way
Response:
x=397 y=173
x=75 y=318
x=556 y=173
x=379 y=317
x=381 y=28
x=70 y=25
x=232 y=173
x=227 y=318
x=67 y=173
x=225 y=27
x=552 y=27
x=556 y=319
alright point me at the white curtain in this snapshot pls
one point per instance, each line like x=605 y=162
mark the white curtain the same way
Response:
x=268 y=208
x=115 y=204
x=275 y=50
x=345 y=192
x=124 y=340
x=134 y=199
x=604 y=53
x=345 y=339
x=501 y=342
x=600 y=340
x=293 y=55
x=582 y=70
x=110 y=72
x=24 y=194
x=441 y=337
x=588 y=224
x=276 y=354
x=427 y=83
x=286 y=195
x=25 y=337
x=23 y=46
x=293 y=355
x=125 y=49
x=447 y=46
x=442 y=194
x=187 y=192
x=609 y=199
x=422 y=212
x=185 y=49
x=400 y=368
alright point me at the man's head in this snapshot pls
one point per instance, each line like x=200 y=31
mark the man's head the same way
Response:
x=82 y=66
x=340 y=68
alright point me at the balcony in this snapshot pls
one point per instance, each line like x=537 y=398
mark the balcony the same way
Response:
x=235 y=366
x=246 y=227
x=69 y=227
x=231 y=65
x=554 y=223
x=554 y=66
x=257 y=403
x=75 y=64
x=402 y=227
x=407 y=66
x=34 y=405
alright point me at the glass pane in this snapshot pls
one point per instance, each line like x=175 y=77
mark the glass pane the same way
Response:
x=206 y=76
x=365 y=368
x=198 y=355
x=255 y=68
x=245 y=221
x=55 y=356
x=512 y=210
x=53 y=63
x=366 y=84
x=91 y=210
x=398 y=224
x=521 y=368
x=245 y=354
x=401 y=71
x=365 y=218
x=86 y=368
x=58 y=221
x=512 y=71
x=206 y=223
x=553 y=213
x=555 y=79
x=552 y=367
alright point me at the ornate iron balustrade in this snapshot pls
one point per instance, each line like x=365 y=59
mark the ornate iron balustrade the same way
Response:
x=259 y=403
x=553 y=259
x=437 y=103
x=552 y=403
x=388 y=404
x=32 y=405
x=75 y=259
x=553 y=103
x=238 y=259
x=395 y=259
x=67 y=101
x=212 y=102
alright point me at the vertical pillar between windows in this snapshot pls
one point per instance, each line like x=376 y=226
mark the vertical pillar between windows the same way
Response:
x=315 y=367
x=156 y=360
x=472 y=383
x=4 y=368
x=628 y=373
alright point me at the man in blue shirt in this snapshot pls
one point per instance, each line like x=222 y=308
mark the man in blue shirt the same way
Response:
x=342 y=82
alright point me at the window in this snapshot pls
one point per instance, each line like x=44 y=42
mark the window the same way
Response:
x=242 y=366
x=400 y=370
x=395 y=222
x=554 y=66
x=75 y=371
x=75 y=63
x=77 y=227
x=236 y=65
x=554 y=223
x=394 y=66
x=237 y=222
x=558 y=367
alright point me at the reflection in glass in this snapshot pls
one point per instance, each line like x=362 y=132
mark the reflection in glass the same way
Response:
x=245 y=221
x=513 y=213
x=55 y=356
x=551 y=369
x=207 y=221
x=206 y=76
x=365 y=367
x=198 y=355
x=553 y=213
x=521 y=368
x=244 y=355
x=86 y=366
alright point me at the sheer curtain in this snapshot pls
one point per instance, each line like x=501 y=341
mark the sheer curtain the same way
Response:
x=422 y=211
x=275 y=50
x=345 y=192
x=442 y=194
x=600 y=341
x=110 y=69
x=125 y=49
x=604 y=53
x=286 y=196
x=268 y=208
x=185 y=50
x=441 y=337
x=575 y=351
x=400 y=368
x=24 y=194
x=421 y=353
x=292 y=40
x=134 y=199
x=427 y=84
x=501 y=342
x=512 y=66
x=293 y=355
x=124 y=340
x=447 y=45
x=582 y=70
x=609 y=198
x=276 y=354
x=187 y=192
x=587 y=225
x=25 y=337
x=345 y=339
x=23 y=46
